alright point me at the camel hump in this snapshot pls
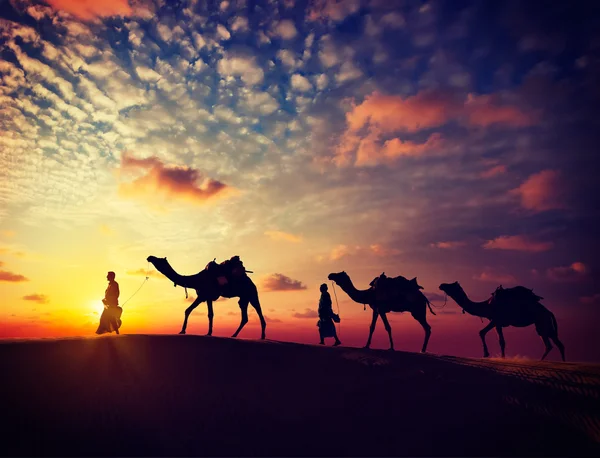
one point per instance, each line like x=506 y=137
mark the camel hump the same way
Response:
x=517 y=293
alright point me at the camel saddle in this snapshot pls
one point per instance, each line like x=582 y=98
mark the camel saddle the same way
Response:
x=513 y=295
x=227 y=271
x=387 y=288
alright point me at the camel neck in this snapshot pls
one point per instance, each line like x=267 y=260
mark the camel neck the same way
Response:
x=187 y=281
x=357 y=295
x=480 y=309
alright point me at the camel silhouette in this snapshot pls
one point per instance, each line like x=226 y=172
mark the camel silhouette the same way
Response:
x=502 y=314
x=208 y=291
x=416 y=303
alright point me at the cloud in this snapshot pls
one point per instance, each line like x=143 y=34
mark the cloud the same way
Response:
x=590 y=300
x=168 y=181
x=272 y=320
x=431 y=108
x=300 y=83
x=308 y=313
x=280 y=235
x=542 y=191
x=243 y=66
x=285 y=29
x=332 y=10
x=448 y=245
x=379 y=250
x=517 y=243
x=488 y=275
x=223 y=32
x=485 y=110
x=145 y=273
x=494 y=171
x=11 y=277
x=574 y=272
x=91 y=9
x=280 y=282
x=40 y=298
x=8 y=233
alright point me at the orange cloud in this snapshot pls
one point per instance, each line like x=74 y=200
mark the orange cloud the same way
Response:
x=517 y=243
x=485 y=110
x=573 y=272
x=90 y=9
x=382 y=251
x=280 y=235
x=168 y=181
x=496 y=170
x=308 y=313
x=8 y=233
x=11 y=277
x=541 y=191
x=40 y=298
x=392 y=113
x=371 y=152
x=280 y=282
x=381 y=115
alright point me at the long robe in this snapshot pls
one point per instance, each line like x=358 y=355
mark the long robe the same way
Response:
x=325 y=323
x=110 y=320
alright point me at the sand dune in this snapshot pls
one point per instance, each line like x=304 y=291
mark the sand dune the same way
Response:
x=191 y=395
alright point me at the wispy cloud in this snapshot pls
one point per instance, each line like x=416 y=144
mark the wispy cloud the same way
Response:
x=450 y=245
x=11 y=277
x=280 y=235
x=308 y=313
x=573 y=272
x=517 y=243
x=40 y=298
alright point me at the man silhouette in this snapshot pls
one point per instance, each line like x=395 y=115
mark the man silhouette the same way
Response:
x=325 y=324
x=110 y=320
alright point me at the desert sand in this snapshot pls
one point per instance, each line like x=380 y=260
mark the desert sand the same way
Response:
x=191 y=395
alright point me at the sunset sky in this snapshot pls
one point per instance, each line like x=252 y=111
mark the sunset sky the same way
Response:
x=447 y=140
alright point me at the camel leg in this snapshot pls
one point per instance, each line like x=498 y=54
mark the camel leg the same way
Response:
x=372 y=329
x=209 y=304
x=388 y=328
x=548 y=345
x=482 y=334
x=263 y=324
x=187 y=314
x=244 y=308
x=501 y=339
x=560 y=346
x=421 y=318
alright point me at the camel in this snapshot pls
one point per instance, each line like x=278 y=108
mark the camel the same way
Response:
x=206 y=291
x=416 y=304
x=502 y=314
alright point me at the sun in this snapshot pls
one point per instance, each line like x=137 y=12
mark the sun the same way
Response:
x=96 y=306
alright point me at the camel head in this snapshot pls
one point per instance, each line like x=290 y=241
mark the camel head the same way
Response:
x=340 y=277
x=159 y=263
x=451 y=289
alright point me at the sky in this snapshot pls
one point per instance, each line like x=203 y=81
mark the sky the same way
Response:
x=443 y=140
